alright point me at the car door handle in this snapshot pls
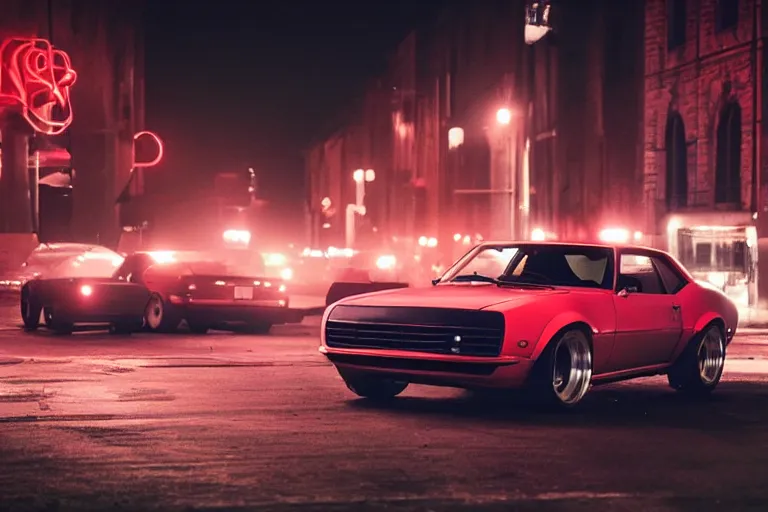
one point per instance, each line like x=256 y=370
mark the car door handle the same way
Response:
x=676 y=307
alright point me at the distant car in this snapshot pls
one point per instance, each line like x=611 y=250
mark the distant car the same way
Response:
x=207 y=292
x=75 y=288
x=551 y=318
x=50 y=260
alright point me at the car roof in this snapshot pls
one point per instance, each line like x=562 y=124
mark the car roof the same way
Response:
x=630 y=247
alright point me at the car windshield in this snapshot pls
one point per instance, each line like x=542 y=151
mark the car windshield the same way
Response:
x=536 y=264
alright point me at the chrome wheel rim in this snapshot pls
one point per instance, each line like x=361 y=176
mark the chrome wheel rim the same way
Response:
x=154 y=314
x=711 y=356
x=572 y=371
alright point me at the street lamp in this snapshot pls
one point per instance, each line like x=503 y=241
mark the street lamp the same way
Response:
x=361 y=177
x=455 y=137
x=503 y=116
x=537 y=21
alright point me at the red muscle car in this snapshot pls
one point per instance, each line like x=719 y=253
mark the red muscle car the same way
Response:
x=551 y=318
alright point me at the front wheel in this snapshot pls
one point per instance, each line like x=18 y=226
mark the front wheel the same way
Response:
x=699 y=368
x=374 y=388
x=563 y=373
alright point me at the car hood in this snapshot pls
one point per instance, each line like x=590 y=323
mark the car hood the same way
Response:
x=453 y=296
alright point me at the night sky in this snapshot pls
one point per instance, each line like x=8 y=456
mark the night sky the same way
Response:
x=237 y=84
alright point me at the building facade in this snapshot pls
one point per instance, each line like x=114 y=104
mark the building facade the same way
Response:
x=104 y=44
x=704 y=169
x=494 y=138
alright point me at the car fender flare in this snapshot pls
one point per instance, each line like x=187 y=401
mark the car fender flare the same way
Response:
x=557 y=324
x=706 y=319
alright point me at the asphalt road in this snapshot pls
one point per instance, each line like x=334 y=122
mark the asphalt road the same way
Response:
x=228 y=421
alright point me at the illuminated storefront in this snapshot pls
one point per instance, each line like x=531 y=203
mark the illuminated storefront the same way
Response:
x=720 y=248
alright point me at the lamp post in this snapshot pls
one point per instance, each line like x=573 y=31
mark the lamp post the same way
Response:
x=361 y=177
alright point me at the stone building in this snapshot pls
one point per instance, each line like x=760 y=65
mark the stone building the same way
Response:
x=704 y=169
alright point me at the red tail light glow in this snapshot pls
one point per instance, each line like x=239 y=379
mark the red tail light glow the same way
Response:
x=86 y=290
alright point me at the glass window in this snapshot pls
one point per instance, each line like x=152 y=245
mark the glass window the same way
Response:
x=673 y=281
x=542 y=264
x=676 y=21
x=491 y=263
x=636 y=272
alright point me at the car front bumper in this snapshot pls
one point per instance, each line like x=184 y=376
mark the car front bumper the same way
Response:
x=433 y=369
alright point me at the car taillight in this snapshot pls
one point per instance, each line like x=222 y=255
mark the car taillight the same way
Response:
x=86 y=290
x=282 y=288
x=192 y=286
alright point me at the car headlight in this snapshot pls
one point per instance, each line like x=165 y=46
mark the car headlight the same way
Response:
x=286 y=274
x=386 y=262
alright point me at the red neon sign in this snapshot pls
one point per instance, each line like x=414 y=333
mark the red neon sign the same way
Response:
x=159 y=143
x=37 y=77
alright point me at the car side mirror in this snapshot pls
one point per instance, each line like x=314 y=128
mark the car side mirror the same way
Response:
x=627 y=290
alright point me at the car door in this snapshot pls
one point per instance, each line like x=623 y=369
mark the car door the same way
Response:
x=648 y=319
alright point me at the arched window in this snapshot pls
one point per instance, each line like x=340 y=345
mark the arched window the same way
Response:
x=677 y=161
x=728 y=165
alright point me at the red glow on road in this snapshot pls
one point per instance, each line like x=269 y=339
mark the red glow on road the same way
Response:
x=37 y=77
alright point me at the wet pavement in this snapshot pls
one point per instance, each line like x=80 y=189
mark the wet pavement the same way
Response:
x=227 y=421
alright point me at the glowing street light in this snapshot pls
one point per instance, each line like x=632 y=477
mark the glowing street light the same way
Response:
x=503 y=116
x=361 y=177
x=455 y=137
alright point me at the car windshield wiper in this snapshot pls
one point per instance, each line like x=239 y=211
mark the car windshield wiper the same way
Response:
x=465 y=278
x=523 y=284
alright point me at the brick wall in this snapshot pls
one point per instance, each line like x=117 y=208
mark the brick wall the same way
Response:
x=690 y=79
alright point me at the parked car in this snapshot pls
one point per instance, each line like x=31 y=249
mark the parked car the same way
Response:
x=550 y=318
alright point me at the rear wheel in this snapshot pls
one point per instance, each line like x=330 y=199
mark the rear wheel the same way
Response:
x=699 y=368
x=373 y=387
x=563 y=373
x=30 y=310
x=160 y=316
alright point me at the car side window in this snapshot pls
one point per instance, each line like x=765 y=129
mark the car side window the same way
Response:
x=638 y=274
x=131 y=270
x=125 y=269
x=673 y=281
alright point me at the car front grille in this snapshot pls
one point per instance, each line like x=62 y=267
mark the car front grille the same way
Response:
x=429 y=330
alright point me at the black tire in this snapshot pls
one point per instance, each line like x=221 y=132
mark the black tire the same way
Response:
x=562 y=375
x=159 y=316
x=30 y=310
x=197 y=328
x=699 y=368
x=379 y=389
x=60 y=326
